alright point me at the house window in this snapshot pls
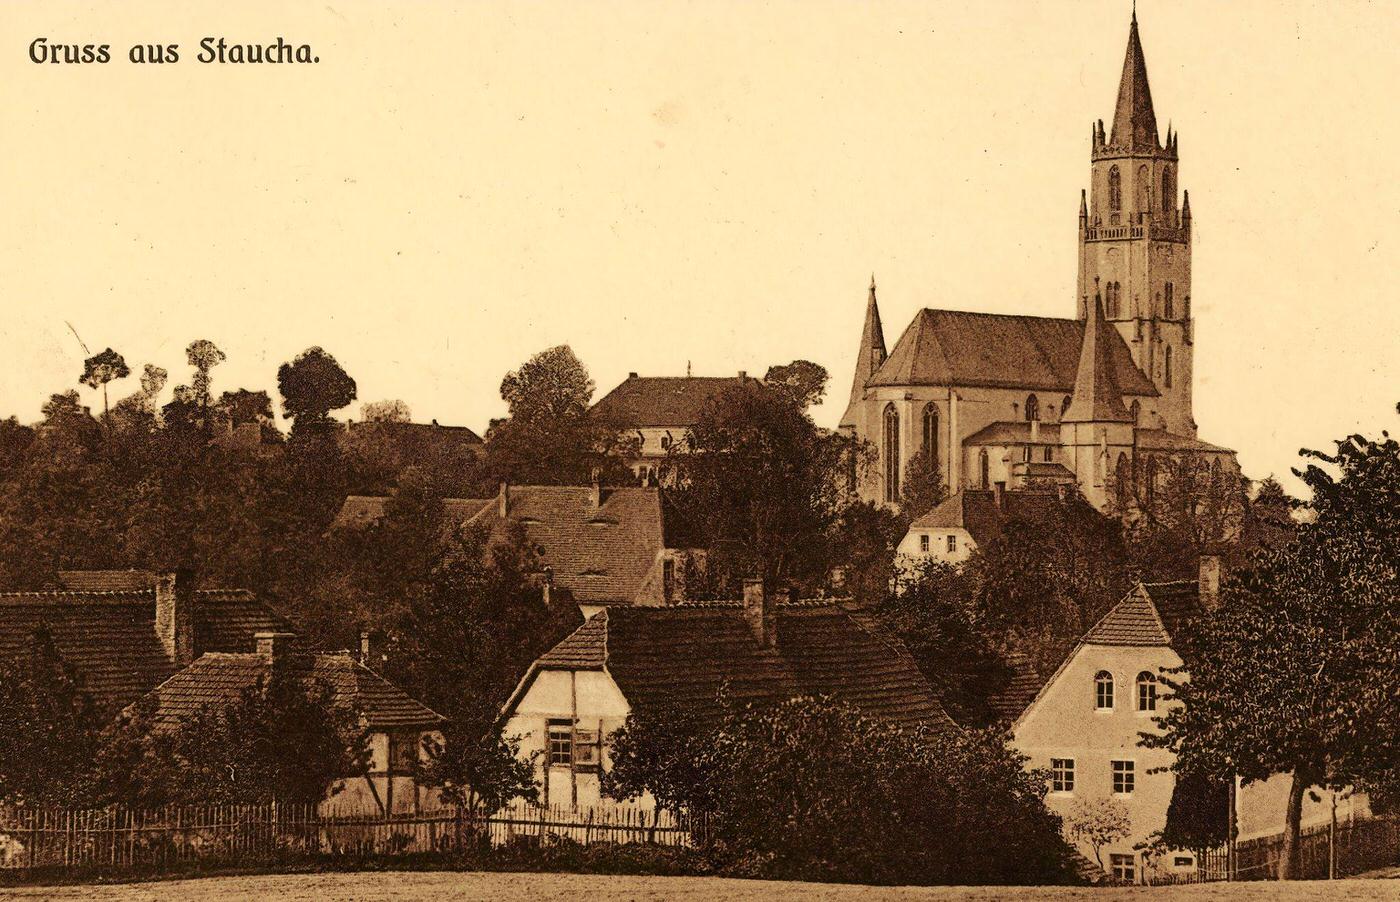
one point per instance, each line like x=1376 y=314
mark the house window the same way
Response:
x=891 y=454
x=1062 y=774
x=923 y=542
x=403 y=753
x=1124 y=777
x=561 y=743
x=587 y=749
x=1032 y=408
x=952 y=543
x=1147 y=691
x=1124 y=866
x=1183 y=861
x=931 y=435
x=665 y=442
x=1103 y=690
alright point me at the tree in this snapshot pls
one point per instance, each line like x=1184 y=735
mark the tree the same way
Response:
x=245 y=406
x=48 y=728
x=923 y=487
x=812 y=789
x=394 y=411
x=137 y=411
x=937 y=620
x=802 y=380
x=1198 y=816
x=551 y=437
x=1296 y=672
x=313 y=385
x=1269 y=522
x=203 y=355
x=102 y=368
x=761 y=486
x=1097 y=824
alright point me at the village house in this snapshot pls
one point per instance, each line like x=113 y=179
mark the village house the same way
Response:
x=401 y=729
x=128 y=633
x=954 y=528
x=657 y=412
x=759 y=650
x=1083 y=726
x=601 y=545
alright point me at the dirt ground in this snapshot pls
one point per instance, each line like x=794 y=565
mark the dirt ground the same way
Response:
x=501 y=887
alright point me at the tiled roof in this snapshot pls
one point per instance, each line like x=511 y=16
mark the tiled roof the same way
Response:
x=662 y=400
x=957 y=348
x=1020 y=691
x=219 y=679
x=109 y=638
x=603 y=554
x=362 y=510
x=1162 y=440
x=106 y=580
x=1176 y=603
x=1013 y=432
x=419 y=432
x=1132 y=621
x=1098 y=394
x=664 y=657
x=977 y=512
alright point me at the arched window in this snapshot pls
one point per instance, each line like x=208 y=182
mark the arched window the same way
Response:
x=891 y=454
x=1144 y=188
x=1115 y=190
x=1110 y=305
x=1169 y=310
x=1103 y=691
x=1168 y=190
x=1064 y=408
x=985 y=465
x=1167 y=368
x=1146 y=692
x=1135 y=410
x=1123 y=480
x=1032 y=408
x=931 y=435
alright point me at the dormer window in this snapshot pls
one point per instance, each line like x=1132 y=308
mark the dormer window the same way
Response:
x=1103 y=691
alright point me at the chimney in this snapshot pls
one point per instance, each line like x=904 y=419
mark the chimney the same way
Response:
x=275 y=646
x=371 y=648
x=743 y=374
x=503 y=502
x=547 y=588
x=759 y=613
x=595 y=488
x=175 y=615
x=631 y=375
x=1210 y=582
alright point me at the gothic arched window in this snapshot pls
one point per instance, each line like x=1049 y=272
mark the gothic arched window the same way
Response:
x=931 y=435
x=1115 y=190
x=985 y=465
x=1135 y=410
x=1032 y=408
x=1064 y=408
x=1144 y=187
x=1167 y=368
x=1123 y=478
x=1169 y=299
x=1168 y=190
x=891 y=454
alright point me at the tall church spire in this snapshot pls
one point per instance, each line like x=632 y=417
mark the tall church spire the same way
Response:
x=1134 y=120
x=1097 y=397
x=870 y=355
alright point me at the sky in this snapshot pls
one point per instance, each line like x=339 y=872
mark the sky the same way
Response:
x=455 y=186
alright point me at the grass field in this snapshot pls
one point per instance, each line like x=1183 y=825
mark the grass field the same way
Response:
x=503 y=887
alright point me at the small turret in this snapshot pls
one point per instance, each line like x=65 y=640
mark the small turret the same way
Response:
x=1097 y=397
x=1083 y=209
x=871 y=354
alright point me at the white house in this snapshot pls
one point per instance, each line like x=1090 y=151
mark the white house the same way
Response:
x=968 y=520
x=1084 y=725
x=662 y=659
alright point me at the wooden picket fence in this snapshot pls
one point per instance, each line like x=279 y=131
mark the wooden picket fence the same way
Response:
x=116 y=839
x=1353 y=847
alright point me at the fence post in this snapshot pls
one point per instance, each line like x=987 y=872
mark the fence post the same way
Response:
x=1332 y=842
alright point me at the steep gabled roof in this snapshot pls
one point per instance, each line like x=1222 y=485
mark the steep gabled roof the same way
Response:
x=603 y=554
x=1150 y=615
x=110 y=640
x=215 y=680
x=1020 y=691
x=1162 y=440
x=1134 y=120
x=659 y=401
x=1033 y=353
x=662 y=658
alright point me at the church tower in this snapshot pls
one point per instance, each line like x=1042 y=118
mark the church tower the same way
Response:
x=1135 y=245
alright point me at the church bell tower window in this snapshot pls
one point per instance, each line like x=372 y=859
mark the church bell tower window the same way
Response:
x=891 y=454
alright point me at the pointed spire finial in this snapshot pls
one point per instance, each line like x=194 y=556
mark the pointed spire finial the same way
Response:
x=872 y=282
x=1134 y=121
x=871 y=354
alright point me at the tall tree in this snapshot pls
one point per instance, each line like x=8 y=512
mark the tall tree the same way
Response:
x=802 y=380
x=312 y=385
x=99 y=370
x=1297 y=672
x=391 y=411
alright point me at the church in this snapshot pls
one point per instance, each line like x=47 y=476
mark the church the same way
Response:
x=1101 y=401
